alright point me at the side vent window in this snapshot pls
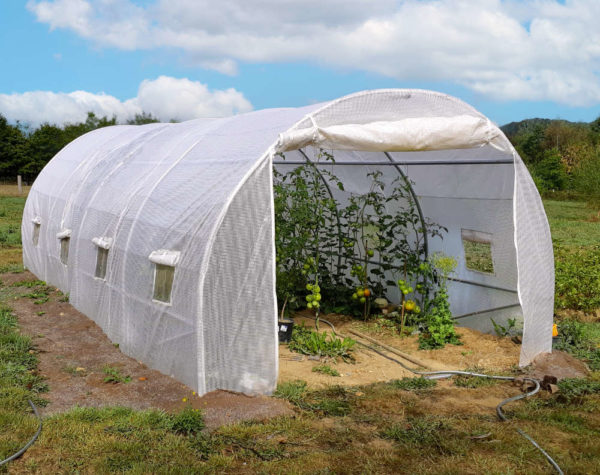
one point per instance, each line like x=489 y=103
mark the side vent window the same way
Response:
x=37 y=224
x=65 y=239
x=103 y=244
x=165 y=262
x=478 y=251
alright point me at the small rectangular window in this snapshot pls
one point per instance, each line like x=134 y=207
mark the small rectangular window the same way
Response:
x=101 y=262
x=64 y=250
x=478 y=251
x=163 y=282
x=36 y=233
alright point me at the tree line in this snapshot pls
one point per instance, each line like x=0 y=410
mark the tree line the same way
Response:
x=561 y=155
x=25 y=152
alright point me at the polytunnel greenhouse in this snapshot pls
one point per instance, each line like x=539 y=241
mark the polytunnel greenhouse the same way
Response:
x=163 y=234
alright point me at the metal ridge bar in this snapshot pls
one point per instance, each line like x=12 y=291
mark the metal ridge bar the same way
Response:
x=395 y=163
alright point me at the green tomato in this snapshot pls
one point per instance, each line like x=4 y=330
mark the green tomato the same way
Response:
x=306 y=266
x=303 y=272
x=354 y=296
x=318 y=297
x=363 y=300
x=309 y=287
x=400 y=282
x=309 y=305
x=360 y=292
x=405 y=291
x=316 y=289
x=370 y=253
x=310 y=298
x=410 y=289
x=315 y=305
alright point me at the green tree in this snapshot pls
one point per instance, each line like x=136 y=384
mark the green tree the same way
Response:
x=12 y=143
x=143 y=118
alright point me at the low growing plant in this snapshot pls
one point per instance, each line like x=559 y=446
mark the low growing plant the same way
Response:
x=114 y=375
x=326 y=369
x=308 y=342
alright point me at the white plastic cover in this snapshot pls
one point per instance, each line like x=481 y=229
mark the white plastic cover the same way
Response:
x=203 y=189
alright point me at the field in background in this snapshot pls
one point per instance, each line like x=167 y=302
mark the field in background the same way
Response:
x=402 y=426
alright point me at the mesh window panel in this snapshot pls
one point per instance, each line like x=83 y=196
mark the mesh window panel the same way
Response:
x=163 y=283
x=101 y=261
x=64 y=250
x=36 y=233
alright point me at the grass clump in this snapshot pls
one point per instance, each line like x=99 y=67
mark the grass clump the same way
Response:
x=188 y=421
x=326 y=369
x=420 y=431
x=293 y=391
x=473 y=382
x=414 y=384
x=309 y=342
x=114 y=375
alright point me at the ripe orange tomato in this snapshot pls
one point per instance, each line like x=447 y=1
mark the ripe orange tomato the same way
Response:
x=367 y=292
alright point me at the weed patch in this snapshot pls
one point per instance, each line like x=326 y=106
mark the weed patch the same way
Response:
x=414 y=384
x=114 y=375
x=308 y=342
x=326 y=369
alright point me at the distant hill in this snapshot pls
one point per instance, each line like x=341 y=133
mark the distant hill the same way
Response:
x=513 y=128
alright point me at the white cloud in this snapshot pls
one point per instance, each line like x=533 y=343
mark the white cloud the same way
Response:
x=165 y=97
x=531 y=49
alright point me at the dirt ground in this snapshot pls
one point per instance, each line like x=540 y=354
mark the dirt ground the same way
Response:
x=73 y=352
x=481 y=350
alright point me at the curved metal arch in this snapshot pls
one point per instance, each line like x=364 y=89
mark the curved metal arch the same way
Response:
x=416 y=201
x=337 y=214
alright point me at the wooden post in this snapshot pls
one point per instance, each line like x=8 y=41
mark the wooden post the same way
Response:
x=19 y=184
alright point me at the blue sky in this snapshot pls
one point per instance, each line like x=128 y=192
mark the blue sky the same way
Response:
x=191 y=58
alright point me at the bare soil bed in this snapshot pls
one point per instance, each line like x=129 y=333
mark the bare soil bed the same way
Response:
x=486 y=352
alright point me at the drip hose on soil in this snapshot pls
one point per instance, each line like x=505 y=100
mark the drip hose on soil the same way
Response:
x=447 y=374
x=30 y=443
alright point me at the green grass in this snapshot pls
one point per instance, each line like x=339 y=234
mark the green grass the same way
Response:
x=11 y=211
x=576 y=237
x=571 y=223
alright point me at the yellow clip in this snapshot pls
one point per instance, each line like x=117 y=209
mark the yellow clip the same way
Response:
x=554 y=330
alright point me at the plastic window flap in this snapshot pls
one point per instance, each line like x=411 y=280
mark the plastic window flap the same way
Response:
x=65 y=233
x=165 y=257
x=103 y=242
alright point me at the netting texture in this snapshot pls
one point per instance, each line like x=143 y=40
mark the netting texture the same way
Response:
x=202 y=191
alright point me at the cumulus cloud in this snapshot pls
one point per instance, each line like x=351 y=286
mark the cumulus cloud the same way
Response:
x=511 y=49
x=165 y=97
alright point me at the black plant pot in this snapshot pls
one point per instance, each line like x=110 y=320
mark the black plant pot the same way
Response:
x=285 y=330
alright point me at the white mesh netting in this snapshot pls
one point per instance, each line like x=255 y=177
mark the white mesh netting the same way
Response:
x=200 y=193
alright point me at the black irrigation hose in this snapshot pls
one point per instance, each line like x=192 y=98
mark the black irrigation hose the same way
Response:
x=499 y=411
x=30 y=443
